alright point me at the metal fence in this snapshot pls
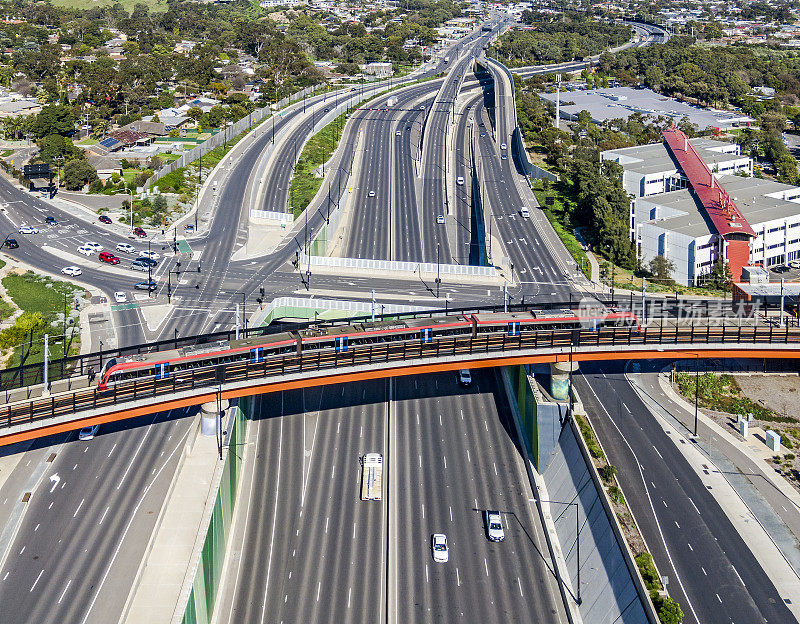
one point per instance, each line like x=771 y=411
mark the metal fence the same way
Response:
x=395 y=265
x=398 y=352
x=225 y=135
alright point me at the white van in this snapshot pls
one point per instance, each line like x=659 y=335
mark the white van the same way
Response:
x=525 y=213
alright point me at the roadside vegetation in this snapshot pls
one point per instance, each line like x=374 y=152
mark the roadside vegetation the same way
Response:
x=42 y=302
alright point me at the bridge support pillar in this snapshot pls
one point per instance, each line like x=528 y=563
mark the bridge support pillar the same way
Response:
x=209 y=414
x=559 y=379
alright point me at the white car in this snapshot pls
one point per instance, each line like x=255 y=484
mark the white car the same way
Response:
x=460 y=181
x=794 y=264
x=525 y=213
x=126 y=248
x=441 y=554
x=397 y=133
x=372 y=193
x=72 y=271
x=150 y=254
x=502 y=146
x=439 y=219
x=494 y=526
x=120 y=297
x=95 y=247
x=88 y=433
x=85 y=250
x=27 y=229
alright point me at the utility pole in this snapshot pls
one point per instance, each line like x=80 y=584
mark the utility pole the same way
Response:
x=237 y=321
x=558 y=101
x=373 y=305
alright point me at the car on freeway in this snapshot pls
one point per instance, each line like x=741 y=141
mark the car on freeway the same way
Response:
x=149 y=254
x=494 y=526
x=502 y=146
x=27 y=229
x=95 y=247
x=108 y=257
x=72 y=271
x=371 y=193
x=482 y=125
x=525 y=213
x=439 y=219
x=50 y=221
x=464 y=377
x=504 y=157
x=483 y=134
x=86 y=251
x=141 y=264
x=139 y=232
x=398 y=133
x=88 y=433
x=441 y=553
x=460 y=180
x=151 y=286
x=105 y=219
x=11 y=243
x=120 y=297
x=126 y=248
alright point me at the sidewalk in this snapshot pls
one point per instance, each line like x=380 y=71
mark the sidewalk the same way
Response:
x=761 y=505
x=156 y=593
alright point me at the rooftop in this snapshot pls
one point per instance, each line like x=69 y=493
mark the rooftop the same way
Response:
x=758 y=200
x=655 y=157
x=622 y=102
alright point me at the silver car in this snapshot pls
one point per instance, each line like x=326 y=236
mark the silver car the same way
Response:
x=441 y=553
x=494 y=526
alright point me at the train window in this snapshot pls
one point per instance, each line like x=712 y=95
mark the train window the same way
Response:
x=257 y=355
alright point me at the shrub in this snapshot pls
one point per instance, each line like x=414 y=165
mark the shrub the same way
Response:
x=607 y=473
x=648 y=571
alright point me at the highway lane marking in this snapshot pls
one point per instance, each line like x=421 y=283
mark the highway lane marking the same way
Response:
x=138 y=448
x=486 y=566
x=274 y=515
x=427 y=580
x=652 y=507
x=319 y=587
x=349 y=592
x=690 y=546
x=440 y=420
x=79 y=507
x=104 y=516
x=458 y=578
x=23 y=550
x=451 y=513
x=326 y=530
x=468 y=459
x=112 y=449
x=657 y=453
x=42 y=572
x=423 y=510
x=718 y=598
x=75 y=466
x=354 y=530
x=520 y=586
x=495 y=469
x=677 y=525
x=69 y=582
x=444 y=457
x=703 y=570
x=737 y=574
x=36 y=528
x=695 y=507
x=51 y=506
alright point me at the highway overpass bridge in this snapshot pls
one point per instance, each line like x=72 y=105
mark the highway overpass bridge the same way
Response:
x=68 y=410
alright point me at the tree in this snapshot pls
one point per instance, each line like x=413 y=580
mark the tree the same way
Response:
x=57 y=119
x=78 y=173
x=720 y=276
x=670 y=612
x=661 y=269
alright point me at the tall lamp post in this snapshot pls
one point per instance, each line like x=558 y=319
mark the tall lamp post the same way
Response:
x=696 y=388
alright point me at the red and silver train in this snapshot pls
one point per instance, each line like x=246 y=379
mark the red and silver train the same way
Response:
x=341 y=338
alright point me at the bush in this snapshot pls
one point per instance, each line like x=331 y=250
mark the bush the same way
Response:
x=647 y=568
x=588 y=436
x=607 y=473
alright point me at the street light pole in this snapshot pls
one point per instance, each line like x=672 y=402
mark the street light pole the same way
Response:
x=696 y=388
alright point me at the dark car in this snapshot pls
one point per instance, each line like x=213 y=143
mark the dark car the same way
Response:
x=50 y=221
x=11 y=243
x=146 y=286
x=147 y=261
x=105 y=219
x=140 y=232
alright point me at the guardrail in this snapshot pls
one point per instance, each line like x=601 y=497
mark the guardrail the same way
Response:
x=77 y=366
x=397 y=352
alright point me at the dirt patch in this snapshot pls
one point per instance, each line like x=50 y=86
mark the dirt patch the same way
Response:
x=780 y=393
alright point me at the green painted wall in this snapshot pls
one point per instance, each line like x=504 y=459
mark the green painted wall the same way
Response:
x=206 y=582
x=527 y=409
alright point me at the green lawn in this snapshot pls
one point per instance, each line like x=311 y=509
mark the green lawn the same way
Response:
x=317 y=150
x=37 y=294
x=153 y=5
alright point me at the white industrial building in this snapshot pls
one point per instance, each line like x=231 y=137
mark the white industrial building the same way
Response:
x=667 y=217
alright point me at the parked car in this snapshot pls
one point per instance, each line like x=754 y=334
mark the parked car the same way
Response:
x=105 y=219
x=441 y=553
x=11 y=243
x=126 y=248
x=72 y=271
x=27 y=229
x=88 y=433
x=140 y=232
x=107 y=256
x=120 y=297
x=151 y=286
